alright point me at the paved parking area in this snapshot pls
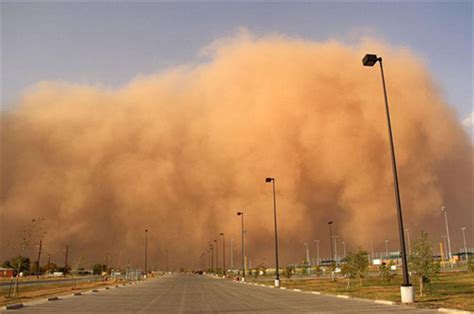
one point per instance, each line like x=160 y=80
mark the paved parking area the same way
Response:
x=180 y=293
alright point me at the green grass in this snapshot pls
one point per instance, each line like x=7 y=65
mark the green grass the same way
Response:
x=449 y=290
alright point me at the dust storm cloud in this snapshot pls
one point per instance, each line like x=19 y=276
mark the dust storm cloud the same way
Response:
x=179 y=152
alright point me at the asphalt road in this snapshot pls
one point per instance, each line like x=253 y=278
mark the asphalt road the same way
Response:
x=201 y=294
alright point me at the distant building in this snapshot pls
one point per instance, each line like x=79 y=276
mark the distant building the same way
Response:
x=6 y=272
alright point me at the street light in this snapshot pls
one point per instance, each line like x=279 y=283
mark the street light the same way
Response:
x=212 y=258
x=308 y=261
x=445 y=245
x=277 y=278
x=335 y=249
x=463 y=229
x=243 y=246
x=406 y=289
x=317 y=252
x=146 y=251
x=344 y=248
x=330 y=240
x=223 y=254
x=386 y=249
x=450 y=255
x=217 y=256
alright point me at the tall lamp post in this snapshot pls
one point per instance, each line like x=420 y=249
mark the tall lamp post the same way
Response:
x=406 y=289
x=317 y=252
x=330 y=240
x=223 y=254
x=450 y=254
x=466 y=257
x=277 y=278
x=146 y=251
x=217 y=256
x=243 y=246
x=212 y=257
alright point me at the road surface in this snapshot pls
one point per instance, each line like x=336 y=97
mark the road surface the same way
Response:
x=181 y=293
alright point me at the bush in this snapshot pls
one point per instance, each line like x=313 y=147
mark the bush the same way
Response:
x=356 y=266
x=470 y=265
x=386 y=273
x=288 y=272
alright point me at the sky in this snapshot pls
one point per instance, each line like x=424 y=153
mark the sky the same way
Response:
x=108 y=44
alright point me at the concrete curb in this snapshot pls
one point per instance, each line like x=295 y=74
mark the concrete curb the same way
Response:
x=384 y=302
x=441 y=309
x=342 y=296
x=14 y=306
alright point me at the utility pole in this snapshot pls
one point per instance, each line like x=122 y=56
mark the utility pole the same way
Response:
x=65 y=260
x=49 y=262
x=39 y=258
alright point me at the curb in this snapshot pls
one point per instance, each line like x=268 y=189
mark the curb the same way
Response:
x=384 y=302
x=342 y=296
x=53 y=299
x=441 y=309
x=14 y=306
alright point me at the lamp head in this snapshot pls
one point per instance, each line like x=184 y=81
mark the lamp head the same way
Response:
x=329 y=222
x=268 y=180
x=239 y=213
x=222 y=233
x=369 y=60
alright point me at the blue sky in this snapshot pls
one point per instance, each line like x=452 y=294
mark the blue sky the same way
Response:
x=110 y=43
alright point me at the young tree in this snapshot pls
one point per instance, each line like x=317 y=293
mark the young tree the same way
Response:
x=422 y=263
x=386 y=273
x=355 y=266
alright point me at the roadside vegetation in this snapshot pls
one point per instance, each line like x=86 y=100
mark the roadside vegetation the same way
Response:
x=434 y=287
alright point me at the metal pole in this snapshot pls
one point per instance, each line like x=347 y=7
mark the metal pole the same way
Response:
x=445 y=245
x=335 y=250
x=65 y=260
x=308 y=261
x=232 y=253
x=344 y=248
x=466 y=256
x=243 y=246
x=223 y=253
x=386 y=248
x=217 y=256
x=276 y=232
x=443 y=209
x=39 y=258
x=49 y=263
x=318 y=259
x=406 y=279
x=330 y=240
x=146 y=251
